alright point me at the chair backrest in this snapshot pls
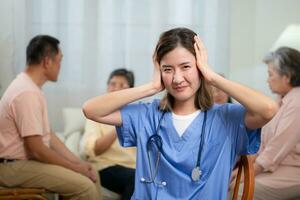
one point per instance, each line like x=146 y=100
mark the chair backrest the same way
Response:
x=22 y=193
x=246 y=165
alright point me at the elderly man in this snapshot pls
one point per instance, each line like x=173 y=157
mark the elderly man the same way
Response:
x=30 y=154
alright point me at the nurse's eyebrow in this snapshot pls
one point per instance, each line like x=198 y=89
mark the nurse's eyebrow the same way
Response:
x=184 y=63
x=166 y=66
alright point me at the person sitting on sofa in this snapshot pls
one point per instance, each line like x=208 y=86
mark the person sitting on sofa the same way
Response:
x=277 y=163
x=31 y=155
x=116 y=164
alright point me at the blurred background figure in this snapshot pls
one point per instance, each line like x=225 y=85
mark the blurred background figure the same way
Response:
x=219 y=96
x=120 y=79
x=31 y=154
x=116 y=165
x=277 y=164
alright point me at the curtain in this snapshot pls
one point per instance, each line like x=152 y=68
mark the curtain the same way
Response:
x=98 y=36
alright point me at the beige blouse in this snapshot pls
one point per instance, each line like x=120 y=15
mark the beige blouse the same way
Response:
x=279 y=153
x=115 y=155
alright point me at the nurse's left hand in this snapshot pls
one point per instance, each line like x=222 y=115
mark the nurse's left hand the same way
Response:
x=202 y=60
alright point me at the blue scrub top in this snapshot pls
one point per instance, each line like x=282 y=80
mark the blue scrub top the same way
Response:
x=226 y=137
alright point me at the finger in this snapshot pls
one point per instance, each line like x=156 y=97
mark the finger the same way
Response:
x=156 y=65
x=91 y=175
x=201 y=47
x=154 y=60
x=154 y=57
x=94 y=177
x=198 y=56
x=88 y=164
x=200 y=44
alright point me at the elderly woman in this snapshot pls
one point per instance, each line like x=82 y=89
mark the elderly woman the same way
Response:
x=277 y=164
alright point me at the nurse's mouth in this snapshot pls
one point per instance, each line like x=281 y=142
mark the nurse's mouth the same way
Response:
x=179 y=89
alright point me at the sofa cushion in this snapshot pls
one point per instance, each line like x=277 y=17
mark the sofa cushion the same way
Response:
x=74 y=120
x=72 y=142
x=61 y=136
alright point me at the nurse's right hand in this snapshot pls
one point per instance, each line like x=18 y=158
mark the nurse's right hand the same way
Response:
x=157 y=80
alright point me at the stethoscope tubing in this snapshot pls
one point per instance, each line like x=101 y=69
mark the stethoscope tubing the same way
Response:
x=157 y=138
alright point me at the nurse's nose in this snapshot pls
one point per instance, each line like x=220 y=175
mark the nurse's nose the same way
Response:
x=177 y=78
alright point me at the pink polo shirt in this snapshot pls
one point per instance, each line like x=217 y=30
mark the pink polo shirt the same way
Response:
x=23 y=112
x=279 y=154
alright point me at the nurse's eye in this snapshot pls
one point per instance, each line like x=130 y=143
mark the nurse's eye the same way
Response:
x=186 y=67
x=167 y=70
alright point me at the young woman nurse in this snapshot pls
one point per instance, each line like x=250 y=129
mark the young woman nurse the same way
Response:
x=186 y=146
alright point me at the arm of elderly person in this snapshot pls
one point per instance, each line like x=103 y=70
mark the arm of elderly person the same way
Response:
x=62 y=150
x=274 y=151
x=283 y=141
x=103 y=143
x=97 y=138
x=57 y=154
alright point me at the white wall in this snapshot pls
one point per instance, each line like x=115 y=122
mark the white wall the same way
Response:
x=241 y=30
x=11 y=36
x=255 y=26
x=6 y=50
x=98 y=36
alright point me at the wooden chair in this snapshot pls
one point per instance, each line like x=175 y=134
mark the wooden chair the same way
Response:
x=22 y=193
x=245 y=164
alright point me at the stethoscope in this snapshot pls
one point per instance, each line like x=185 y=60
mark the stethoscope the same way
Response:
x=155 y=141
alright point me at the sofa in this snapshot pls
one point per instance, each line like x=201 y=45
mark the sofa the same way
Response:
x=74 y=122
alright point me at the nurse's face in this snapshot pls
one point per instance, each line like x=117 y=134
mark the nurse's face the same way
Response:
x=180 y=75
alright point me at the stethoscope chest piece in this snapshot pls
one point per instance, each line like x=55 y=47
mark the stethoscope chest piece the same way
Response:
x=196 y=173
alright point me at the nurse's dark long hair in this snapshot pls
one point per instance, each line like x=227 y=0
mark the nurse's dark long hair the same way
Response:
x=168 y=41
